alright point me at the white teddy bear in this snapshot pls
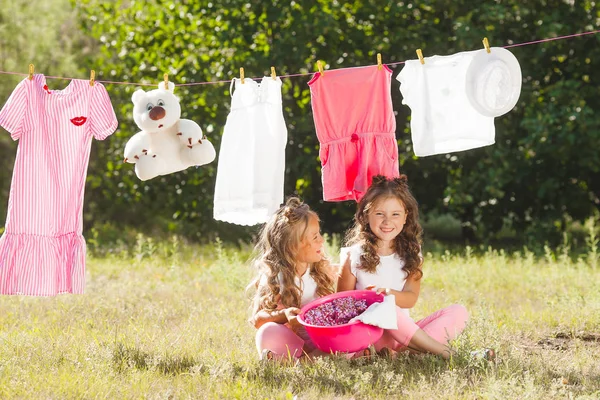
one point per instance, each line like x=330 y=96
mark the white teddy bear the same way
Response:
x=166 y=143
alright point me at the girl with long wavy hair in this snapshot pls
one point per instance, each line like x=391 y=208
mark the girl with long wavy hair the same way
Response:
x=384 y=255
x=292 y=271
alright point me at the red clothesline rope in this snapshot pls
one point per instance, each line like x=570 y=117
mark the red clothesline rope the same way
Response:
x=309 y=73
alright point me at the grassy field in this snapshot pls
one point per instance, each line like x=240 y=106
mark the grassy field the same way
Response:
x=167 y=321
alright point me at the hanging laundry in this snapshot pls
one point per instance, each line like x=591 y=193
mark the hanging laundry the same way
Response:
x=251 y=166
x=356 y=128
x=42 y=251
x=454 y=99
x=166 y=143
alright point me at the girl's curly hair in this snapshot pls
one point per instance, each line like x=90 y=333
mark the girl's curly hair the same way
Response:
x=276 y=251
x=407 y=244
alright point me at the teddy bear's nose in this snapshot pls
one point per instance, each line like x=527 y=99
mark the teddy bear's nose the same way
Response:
x=157 y=113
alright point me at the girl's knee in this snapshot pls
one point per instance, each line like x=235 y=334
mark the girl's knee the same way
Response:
x=266 y=333
x=267 y=327
x=279 y=339
x=459 y=312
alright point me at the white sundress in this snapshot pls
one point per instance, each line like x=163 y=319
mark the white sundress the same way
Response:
x=251 y=166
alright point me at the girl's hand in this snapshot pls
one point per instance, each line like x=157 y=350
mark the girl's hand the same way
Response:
x=291 y=313
x=384 y=291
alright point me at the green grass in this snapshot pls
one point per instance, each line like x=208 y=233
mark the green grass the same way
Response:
x=168 y=321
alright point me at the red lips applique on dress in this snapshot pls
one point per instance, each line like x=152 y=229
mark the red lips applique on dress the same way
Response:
x=78 y=121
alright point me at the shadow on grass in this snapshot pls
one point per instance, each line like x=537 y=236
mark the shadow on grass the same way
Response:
x=358 y=377
x=126 y=357
x=565 y=343
x=376 y=378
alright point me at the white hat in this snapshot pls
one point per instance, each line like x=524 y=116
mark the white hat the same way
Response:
x=494 y=81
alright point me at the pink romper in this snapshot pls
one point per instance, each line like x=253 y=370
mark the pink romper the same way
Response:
x=356 y=128
x=42 y=251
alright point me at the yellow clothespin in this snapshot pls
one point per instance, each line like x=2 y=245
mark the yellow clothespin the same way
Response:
x=242 y=74
x=379 y=65
x=92 y=77
x=420 y=55
x=486 y=44
x=166 y=78
x=320 y=67
x=273 y=74
x=31 y=71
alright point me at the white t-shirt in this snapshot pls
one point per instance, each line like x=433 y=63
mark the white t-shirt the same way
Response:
x=306 y=283
x=389 y=273
x=308 y=286
x=442 y=117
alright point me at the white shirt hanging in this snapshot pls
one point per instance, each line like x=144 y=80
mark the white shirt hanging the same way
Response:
x=442 y=117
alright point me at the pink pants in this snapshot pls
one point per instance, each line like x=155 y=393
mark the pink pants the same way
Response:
x=282 y=341
x=443 y=326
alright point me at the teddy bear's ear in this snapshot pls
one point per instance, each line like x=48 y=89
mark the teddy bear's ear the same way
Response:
x=137 y=95
x=171 y=87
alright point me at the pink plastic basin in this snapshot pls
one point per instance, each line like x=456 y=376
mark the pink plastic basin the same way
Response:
x=351 y=337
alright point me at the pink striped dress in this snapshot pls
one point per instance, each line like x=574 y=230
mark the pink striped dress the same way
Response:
x=42 y=251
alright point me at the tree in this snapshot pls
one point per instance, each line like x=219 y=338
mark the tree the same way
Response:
x=543 y=168
x=45 y=34
x=539 y=172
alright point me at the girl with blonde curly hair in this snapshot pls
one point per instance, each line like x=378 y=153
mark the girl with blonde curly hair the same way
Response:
x=292 y=271
x=384 y=255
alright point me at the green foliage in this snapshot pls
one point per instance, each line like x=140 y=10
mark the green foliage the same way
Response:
x=541 y=170
x=45 y=34
x=536 y=179
x=592 y=242
x=443 y=227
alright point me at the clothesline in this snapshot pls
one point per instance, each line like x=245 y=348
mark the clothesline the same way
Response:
x=303 y=74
